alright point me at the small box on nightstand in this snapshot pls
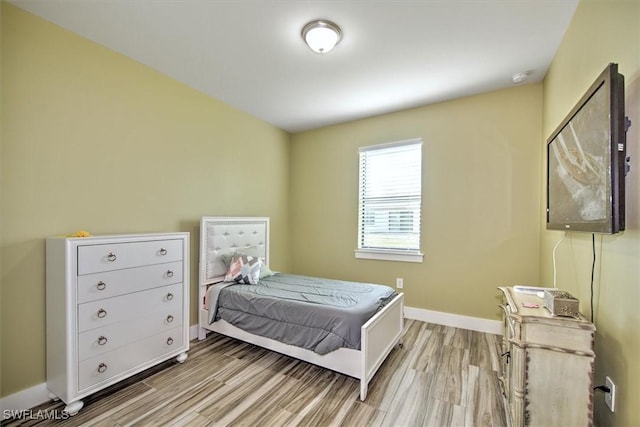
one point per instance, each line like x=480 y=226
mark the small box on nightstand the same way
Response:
x=561 y=303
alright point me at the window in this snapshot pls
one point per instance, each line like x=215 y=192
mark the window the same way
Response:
x=390 y=201
x=399 y=222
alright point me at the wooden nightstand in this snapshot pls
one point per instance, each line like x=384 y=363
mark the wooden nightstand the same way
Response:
x=547 y=364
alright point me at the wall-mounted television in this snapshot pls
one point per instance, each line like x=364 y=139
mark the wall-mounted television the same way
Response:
x=586 y=161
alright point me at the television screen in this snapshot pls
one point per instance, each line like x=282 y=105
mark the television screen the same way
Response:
x=585 y=161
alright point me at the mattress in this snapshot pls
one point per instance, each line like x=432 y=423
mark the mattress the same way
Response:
x=318 y=314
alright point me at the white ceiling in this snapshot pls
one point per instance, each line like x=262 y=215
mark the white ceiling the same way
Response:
x=395 y=54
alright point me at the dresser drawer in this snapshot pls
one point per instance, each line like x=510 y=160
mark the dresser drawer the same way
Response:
x=108 y=284
x=108 y=338
x=108 y=365
x=108 y=311
x=115 y=256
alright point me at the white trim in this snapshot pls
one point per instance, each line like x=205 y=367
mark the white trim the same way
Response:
x=390 y=144
x=25 y=399
x=193 y=332
x=384 y=255
x=455 y=320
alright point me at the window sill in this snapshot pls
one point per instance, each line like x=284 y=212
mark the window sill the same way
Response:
x=384 y=255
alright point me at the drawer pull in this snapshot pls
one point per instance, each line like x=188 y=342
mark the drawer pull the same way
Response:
x=102 y=313
x=169 y=341
x=169 y=273
x=169 y=296
x=102 y=367
x=163 y=251
x=102 y=286
x=102 y=340
x=111 y=257
x=169 y=318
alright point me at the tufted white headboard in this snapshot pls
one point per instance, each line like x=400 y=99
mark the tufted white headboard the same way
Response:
x=219 y=235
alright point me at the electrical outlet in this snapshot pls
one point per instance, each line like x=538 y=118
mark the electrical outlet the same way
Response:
x=610 y=397
x=399 y=283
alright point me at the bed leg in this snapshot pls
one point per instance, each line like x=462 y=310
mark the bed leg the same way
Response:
x=202 y=333
x=364 y=387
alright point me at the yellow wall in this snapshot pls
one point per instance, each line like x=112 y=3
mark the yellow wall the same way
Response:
x=602 y=32
x=93 y=140
x=481 y=187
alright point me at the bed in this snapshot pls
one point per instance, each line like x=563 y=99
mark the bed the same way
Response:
x=378 y=334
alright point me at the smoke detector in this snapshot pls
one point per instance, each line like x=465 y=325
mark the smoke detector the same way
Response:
x=518 y=78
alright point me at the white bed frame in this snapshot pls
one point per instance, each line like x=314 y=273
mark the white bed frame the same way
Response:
x=379 y=334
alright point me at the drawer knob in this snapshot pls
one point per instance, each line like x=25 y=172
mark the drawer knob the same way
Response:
x=102 y=313
x=102 y=286
x=111 y=257
x=102 y=340
x=169 y=296
x=163 y=251
x=169 y=341
x=102 y=367
x=169 y=273
x=169 y=318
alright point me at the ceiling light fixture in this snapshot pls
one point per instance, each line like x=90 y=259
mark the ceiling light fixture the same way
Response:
x=321 y=35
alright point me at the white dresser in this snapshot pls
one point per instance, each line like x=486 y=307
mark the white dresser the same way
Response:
x=116 y=305
x=547 y=364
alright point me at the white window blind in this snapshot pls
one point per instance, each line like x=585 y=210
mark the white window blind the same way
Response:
x=390 y=198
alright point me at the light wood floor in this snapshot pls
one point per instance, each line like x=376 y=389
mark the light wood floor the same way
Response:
x=442 y=376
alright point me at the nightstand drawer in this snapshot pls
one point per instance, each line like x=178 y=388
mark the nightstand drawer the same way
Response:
x=116 y=256
x=108 y=284
x=104 y=312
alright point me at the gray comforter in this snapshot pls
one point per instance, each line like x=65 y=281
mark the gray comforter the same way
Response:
x=321 y=315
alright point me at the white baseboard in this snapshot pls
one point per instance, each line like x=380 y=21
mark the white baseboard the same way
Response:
x=455 y=320
x=24 y=399
x=39 y=394
x=193 y=332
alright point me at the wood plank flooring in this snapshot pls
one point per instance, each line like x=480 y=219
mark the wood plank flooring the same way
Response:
x=441 y=376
